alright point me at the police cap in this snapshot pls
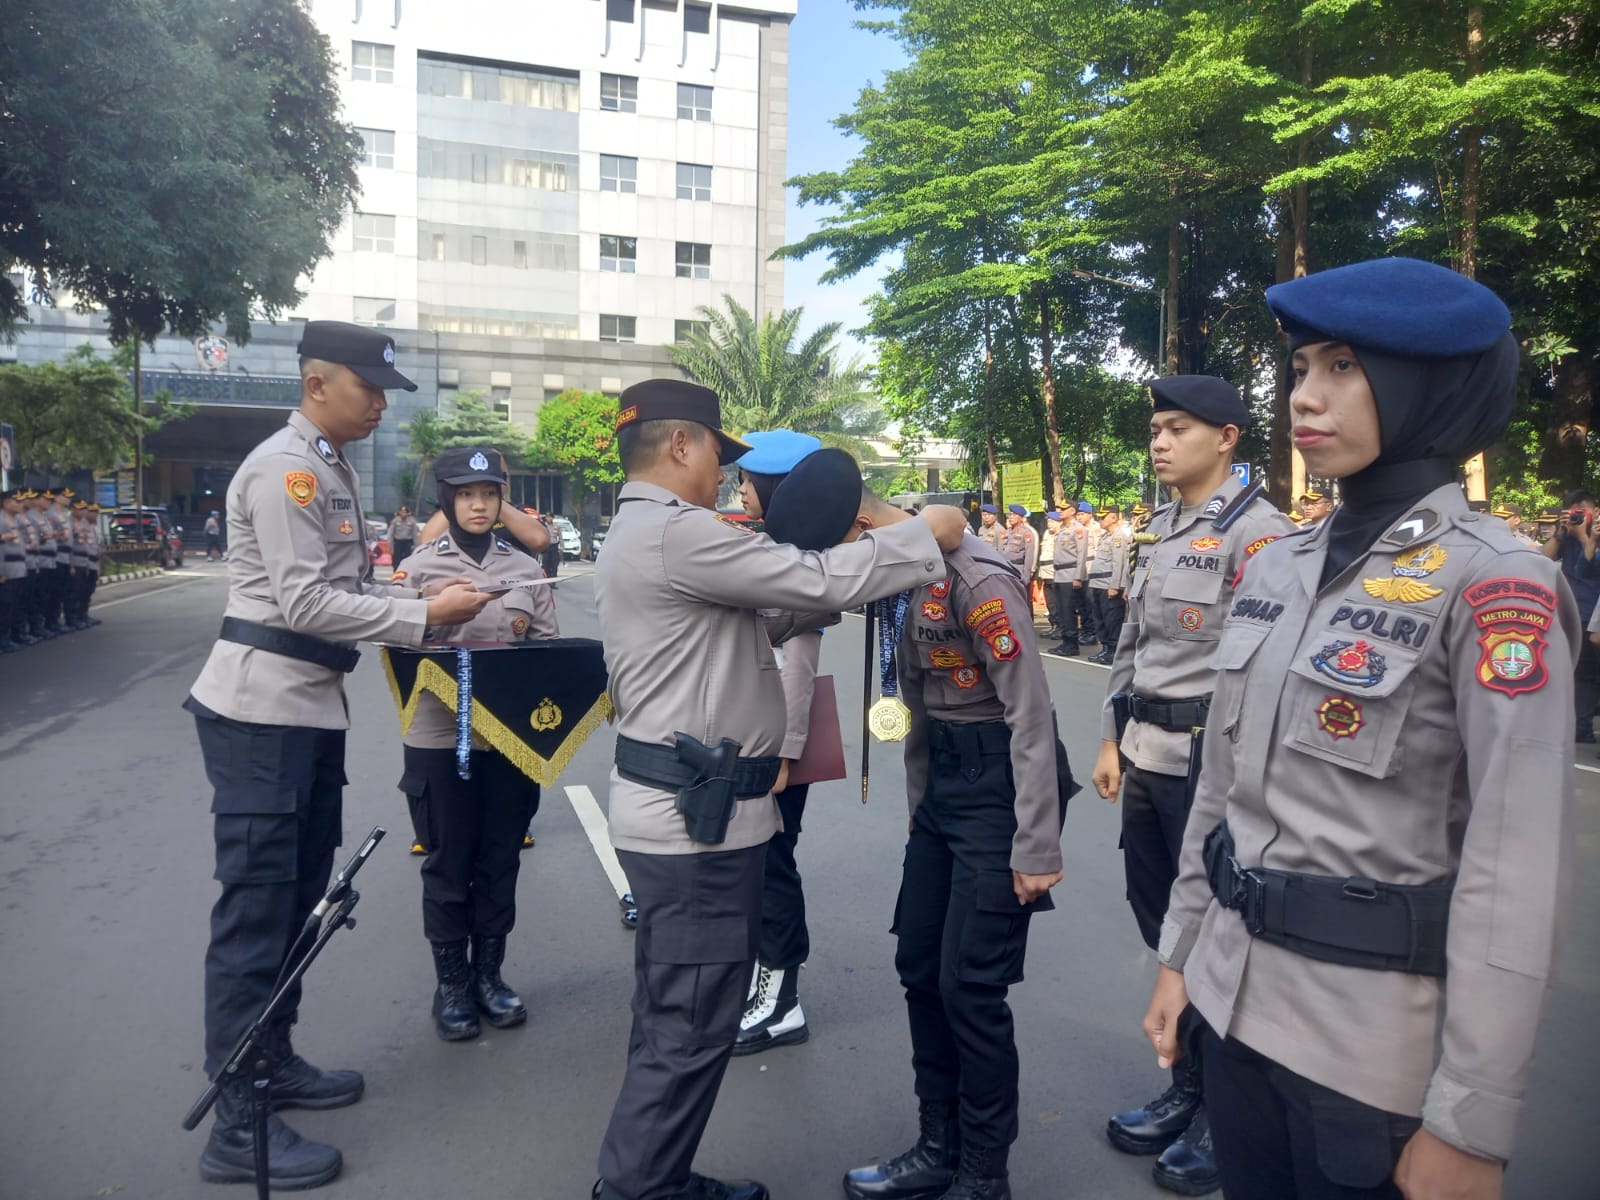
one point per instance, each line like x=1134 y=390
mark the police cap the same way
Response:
x=367 y=352
x=816 y=503
x=777 y=451
x=1401 y=306
x=679 y=400
x=989 y=508
x=1018 y=509
x=469 y=464
x=1215 y=401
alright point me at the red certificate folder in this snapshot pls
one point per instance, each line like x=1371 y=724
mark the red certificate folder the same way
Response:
x=823 y=757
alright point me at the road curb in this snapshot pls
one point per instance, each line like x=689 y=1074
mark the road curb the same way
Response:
x=128 y=577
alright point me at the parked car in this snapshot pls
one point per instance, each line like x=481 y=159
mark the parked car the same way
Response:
x=158 y=527
x=571 y=542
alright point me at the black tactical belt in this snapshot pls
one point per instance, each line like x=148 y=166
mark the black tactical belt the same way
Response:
x=290 y=644
x=659 y=767
x=1354 y=922
x=981 y=737
x=1179 y=716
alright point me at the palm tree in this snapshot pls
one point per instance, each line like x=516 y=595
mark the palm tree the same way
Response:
x=765 y=382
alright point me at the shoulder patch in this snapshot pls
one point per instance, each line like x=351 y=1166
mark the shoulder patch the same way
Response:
x=398 y=576
x=301 y=486
x=1513 y=615
x=989 y=608
x=1260 y=544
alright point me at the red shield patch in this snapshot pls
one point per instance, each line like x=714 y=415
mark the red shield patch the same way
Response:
x=939 y=590
x=1002 y=641
x=1514 y=615
x=934 y=611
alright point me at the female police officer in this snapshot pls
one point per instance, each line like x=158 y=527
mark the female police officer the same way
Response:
x=1366 y=907
x=472 y=828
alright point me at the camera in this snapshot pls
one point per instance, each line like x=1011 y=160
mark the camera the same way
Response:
x=1577 y=516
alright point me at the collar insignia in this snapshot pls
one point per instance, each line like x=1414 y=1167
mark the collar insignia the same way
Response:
x=325 y=448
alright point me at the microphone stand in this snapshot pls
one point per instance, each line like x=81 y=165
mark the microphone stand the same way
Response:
x=247 y=1057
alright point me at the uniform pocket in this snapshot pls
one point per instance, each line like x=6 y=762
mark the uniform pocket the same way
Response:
x=1240 y=641
x=1349 y=728
x=1358 y=1146
x=255 y=847
x=994 y=938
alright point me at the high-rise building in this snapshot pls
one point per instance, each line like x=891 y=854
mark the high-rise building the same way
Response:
x=551 y=190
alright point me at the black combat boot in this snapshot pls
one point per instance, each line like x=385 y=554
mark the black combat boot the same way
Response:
x=293 y=1162
x=981 y=1176
x=923 y=1172
x=454 y=1016
x=298 y=1084
x=499 y=1004
x=1151 y=1129
x=1189 y=1165
x=702 y=1187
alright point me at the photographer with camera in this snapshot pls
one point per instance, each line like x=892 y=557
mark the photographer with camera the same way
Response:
x=1573 y=546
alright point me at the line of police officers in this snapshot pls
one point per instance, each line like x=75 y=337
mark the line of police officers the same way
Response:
x=49 y=565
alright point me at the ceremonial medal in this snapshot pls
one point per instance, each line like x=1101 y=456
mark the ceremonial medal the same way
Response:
x=889 y=719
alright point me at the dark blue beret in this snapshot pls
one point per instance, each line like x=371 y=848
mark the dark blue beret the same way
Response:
x=1051 y=514
x=1215 y=401
x=989 y=508
x=816 y=503
x=1400 y=306
x=1018 y=509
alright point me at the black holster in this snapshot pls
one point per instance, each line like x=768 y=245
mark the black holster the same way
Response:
x=1121 y=706
x=1197 y=749
x=707 y=802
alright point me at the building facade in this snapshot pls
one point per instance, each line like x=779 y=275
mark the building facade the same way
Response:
x=549 y=194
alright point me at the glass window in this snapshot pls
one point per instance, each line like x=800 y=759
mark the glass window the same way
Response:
x=438 y=247
x=374 y=232
x=697 y=18
x=619 y=253
x=682 y=329
x=617 y=329
x=694 y=102
x=500 y=397
x=372 y=62
x=694 y=181
x=620 y=10
x=480 y=168
x=619 y=93
x=694 y=260
x=371 y=310
x=438 y=76
x=519 y=255
x=377 y=147
x=480 y=251
x=619 y=174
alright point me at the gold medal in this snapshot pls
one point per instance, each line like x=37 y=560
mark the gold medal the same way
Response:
x=889 y=719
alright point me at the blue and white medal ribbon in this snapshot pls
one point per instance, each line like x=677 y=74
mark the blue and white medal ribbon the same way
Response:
x=889 y=718
x=464 y=713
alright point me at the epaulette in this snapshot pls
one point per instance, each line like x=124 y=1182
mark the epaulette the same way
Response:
x=1237 y=508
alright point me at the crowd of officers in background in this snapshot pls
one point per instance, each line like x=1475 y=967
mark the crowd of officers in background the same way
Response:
x=49 y=565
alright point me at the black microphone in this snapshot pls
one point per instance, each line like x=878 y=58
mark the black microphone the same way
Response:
x=341 y=881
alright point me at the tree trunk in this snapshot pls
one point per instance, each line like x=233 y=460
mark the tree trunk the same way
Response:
x=1280 y=443
x=1174 y=256
x=1471 y=191
x=1054 y=496
x=1571 y=412
x=988 y=400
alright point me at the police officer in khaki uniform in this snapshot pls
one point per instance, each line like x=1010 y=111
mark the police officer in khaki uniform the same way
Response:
x=986 y=783
x=1108 y=582
x=13 y=575
x=44 y=592
x=60 y=516
x=402 y=536
x=472 y=827
x=989 y=527
x=701 y=720
x=1159 y=694
x=1047 y=570
x=271 y=714
x=1387 y=785
x=1315 y=506
x=1019 y=544
x=1074 y=551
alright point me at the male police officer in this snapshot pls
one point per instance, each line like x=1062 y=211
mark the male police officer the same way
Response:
x=986 y=782
x=1019 y=544
x=701 y=721
x=402 y=537
x=271 y=714
x=13 y=573
x=1316 y=505
x=1073 y=552
x=989 y=527
x=1108 y=582
x=1159 y=695
x=1047 y=570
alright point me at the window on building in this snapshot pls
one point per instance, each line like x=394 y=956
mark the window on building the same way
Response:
x=682 y=330
x=694 y=181
x=618 y=174
x=500 y=397
x=372 y=62
x=377 y=148
x=619 y=93
x=372 y=310
x=619 y=253
x=438 y=247
x=620 y=10
x=519 y=255
x=694 y=260
x=480 y=251
x=697 y=18
x=617 y=329
x=374 y=232
x=694 y=102
x=480 y=168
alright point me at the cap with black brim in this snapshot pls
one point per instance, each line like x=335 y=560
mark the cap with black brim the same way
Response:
x=370 y=353
x=679 y=400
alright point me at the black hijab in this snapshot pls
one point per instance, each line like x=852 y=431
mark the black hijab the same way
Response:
x=473 y=545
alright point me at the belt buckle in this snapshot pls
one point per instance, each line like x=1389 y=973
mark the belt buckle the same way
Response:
x=1249 y=893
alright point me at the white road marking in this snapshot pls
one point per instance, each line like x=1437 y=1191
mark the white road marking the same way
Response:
x=94 y=608
x=594 y=824
x=1586 y=767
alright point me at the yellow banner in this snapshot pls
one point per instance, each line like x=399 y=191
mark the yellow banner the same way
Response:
x=1023 y=483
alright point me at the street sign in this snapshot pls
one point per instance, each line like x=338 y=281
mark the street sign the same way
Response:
x=1242 y=470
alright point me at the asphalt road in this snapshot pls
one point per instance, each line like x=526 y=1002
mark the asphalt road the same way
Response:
x=105 y=883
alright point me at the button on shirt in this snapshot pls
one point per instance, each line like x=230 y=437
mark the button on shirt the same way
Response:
x=1408 y=723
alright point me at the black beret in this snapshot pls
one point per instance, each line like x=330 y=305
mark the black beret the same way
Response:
x=816 y=503
x=468 y=464
x=367 y=352
x=1400 y=306
x=679 y=400
x=1215 y=401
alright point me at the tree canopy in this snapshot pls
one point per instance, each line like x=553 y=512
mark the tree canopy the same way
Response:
x=577 y=434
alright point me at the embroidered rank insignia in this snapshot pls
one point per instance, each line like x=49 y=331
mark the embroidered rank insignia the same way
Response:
x=939 y=590
x=301 y=486
x=1214 y=506
x=1354 y=664
x=1409 y=569
x=325 y=448
x=945 y=658
x=1340 y=717
x=965 y=677
x=984 y=611
x=519 y=626
x=1205 y=544
x=1258 y=545
x=1514 y=615
x=934 y=611
x=1191 y=619
x=346 y=527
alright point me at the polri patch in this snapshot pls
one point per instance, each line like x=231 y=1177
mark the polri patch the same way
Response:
x=397 y=576
x=934 y=611
x=301 y=486
x=1002 y=641
x=1191 y=619
x=1354 y=664
x=1514 y=615
x=939 y=590
x=1340 y=717
x=1260 y=544
x=945 y=658
x=345 y=526
x=519 y=625
x=1205 y=544
x=965 y=677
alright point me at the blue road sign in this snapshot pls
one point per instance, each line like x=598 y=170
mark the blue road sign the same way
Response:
x=1242 y=470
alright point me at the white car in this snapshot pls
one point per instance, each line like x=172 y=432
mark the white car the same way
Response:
x=571 y=543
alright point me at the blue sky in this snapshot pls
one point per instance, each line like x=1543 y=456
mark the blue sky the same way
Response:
x=830 y=61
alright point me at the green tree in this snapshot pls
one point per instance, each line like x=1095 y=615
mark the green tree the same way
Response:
x=424 y=440
x=192 y=170
x=467 y=420
x=766 y=381
x=577 y=435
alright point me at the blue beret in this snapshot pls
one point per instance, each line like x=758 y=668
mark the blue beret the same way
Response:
x=1400 y=306
x=1052 y=514
x=776 y=451
x=989 y=508
x=1215 y=401
x=1018 y=509
x=816 y=502
x=1085 y=506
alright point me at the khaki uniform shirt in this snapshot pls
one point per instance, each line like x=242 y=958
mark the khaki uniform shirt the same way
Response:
x=403 y=529
x=91 y=543
x=61 y=526
x=520 y=615
x=44 y=533
x=1408 y=723
x=30 y=540
x=1178 y=599
x=993 y=534
x=1020 y=546
x=297 y=559
x=80 y=545
x=1047 y=556
x=13 y=547
x=797 y=644
x=967 y=654
x=1111 y=552
x=677 y=591
x=1074 y=551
